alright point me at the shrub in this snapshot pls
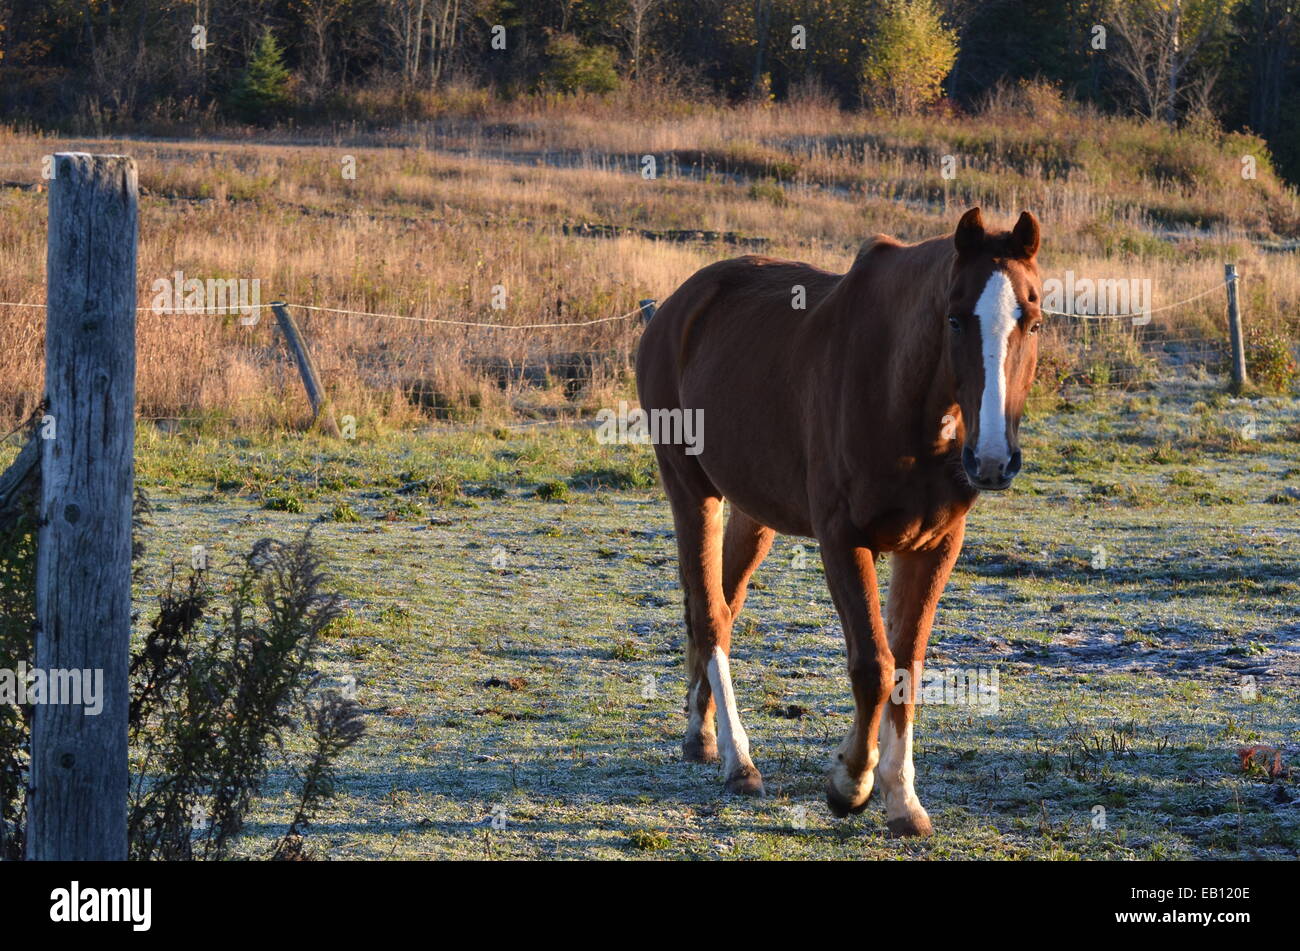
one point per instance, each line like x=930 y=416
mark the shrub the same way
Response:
x=212 y=698
x=1039 y=98
x=1270 y=363
x=18 y=528
x=573 y=67
x=344 y=512
x=553 y=490
x=649 y=840
x=909 y=56
x=212 y=695
x=335 y=726
x=768 y=191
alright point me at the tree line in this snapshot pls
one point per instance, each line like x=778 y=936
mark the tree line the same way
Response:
x=116 y=62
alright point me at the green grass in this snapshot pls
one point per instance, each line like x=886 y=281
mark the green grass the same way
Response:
x=520 y=661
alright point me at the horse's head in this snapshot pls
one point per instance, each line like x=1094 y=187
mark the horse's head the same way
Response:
x=992 y=328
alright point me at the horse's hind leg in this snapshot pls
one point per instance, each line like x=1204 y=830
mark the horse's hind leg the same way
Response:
x=744 y=546
x=697 y=516
x=701 y=743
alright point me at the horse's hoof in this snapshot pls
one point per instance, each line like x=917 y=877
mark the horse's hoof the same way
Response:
x=908 y=826
x=698 y=750
x=745 y=781
x=840 y=805
x=843 y=803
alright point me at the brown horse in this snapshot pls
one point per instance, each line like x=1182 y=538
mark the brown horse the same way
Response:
x=869 y=419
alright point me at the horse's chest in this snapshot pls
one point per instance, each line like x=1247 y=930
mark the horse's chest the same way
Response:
x=912 y=522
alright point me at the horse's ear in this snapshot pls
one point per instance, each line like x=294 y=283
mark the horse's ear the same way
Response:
x=1025 y=234
x=970 y=233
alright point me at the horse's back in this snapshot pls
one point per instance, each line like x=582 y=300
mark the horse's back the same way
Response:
x=738 y=312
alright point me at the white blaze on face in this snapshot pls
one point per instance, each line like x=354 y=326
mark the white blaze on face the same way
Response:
x=997 y=312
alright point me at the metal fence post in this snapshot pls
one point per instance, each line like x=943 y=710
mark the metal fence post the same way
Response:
x=1235 y=335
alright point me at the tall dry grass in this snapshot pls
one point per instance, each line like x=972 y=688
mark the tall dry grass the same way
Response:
x=442 y=212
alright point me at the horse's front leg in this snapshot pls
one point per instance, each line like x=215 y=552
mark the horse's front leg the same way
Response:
x=851 y=577
x=917 y=580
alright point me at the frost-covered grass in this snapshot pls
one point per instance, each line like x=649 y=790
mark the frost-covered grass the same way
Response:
x=522 y=658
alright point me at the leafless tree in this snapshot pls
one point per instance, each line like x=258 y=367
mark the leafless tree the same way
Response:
x=635 y=21
x=1159 y=42
x=444 y=29
x=762 y=21
x=424 y=36
x=123 y=68
x=320 y=17
x=250 y=19
x=404 y=21
x=1274 y=27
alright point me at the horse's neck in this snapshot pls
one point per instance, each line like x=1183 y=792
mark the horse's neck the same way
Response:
x=888 y=322
x=923 y=388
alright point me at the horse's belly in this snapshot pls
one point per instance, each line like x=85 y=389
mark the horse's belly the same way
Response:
x=763 y=481
x=775 y=513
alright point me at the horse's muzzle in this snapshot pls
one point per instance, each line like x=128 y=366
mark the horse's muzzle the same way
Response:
x=989 y=475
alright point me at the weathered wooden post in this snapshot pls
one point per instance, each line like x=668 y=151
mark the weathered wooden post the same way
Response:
x=647 y=309
x=306 y=369
x=77 y=802
x=1239 y=378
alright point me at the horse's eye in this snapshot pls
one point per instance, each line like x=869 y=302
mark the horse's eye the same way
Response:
x=1036 y=327
x=954 y=322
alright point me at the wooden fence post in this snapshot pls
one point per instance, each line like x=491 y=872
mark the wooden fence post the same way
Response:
x=78 y=797
x=1235 y=335
x=647 y=309
x=306 y=369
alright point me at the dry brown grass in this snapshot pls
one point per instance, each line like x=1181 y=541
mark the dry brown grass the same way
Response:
x=428 y=232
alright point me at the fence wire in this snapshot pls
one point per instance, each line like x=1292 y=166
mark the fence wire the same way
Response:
x=1109 y=351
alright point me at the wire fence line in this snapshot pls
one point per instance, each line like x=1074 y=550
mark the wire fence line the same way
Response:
x=234 y=309
x=470 y=323
x=521 y=364
x=1081 y=349
x=1154 y=310
x=244 y=308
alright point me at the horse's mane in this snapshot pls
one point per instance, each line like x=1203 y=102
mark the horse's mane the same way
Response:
x=901 y=270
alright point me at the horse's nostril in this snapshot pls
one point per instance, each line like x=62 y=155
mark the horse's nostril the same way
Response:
x=1013 y=467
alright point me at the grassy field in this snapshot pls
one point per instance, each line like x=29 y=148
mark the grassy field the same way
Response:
x=513 y=620
x=513 y=626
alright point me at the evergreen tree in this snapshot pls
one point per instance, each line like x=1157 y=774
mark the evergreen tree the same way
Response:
x=262 y=93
